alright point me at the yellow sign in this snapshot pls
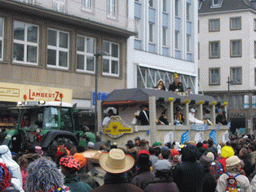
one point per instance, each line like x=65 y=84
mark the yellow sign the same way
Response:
x=15 y=92
x=115 y=128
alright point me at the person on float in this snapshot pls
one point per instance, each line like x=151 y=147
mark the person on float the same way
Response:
x=176 y=86
x=160 y=85
x=192 y=119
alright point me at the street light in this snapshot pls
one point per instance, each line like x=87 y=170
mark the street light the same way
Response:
x=229 y=82
x=97 y=55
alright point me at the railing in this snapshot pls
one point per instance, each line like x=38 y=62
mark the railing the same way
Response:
x=116 y=18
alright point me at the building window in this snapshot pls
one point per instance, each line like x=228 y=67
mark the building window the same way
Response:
x=254 y=24
x=215 y=76
x=198 y=26
x=151 y=3
x=112 y=7
x=58 y=49
x=254 y=49
x=151 y=32
x=214 y=25
x=1 y=38
x=235 y=23
x=111 y=62
x=177 y=34
x=164 y=6
x=236 y=48
x=137 y=21
x=236 y=75
x=25 y=48
x=214 y=49
x=215 y=2
x=87 y=5
x=188 y=11
x=188 y=43
x=165 y=36
x=198 y=50
x=236 y=101
x=177 y=8
x=85 y=50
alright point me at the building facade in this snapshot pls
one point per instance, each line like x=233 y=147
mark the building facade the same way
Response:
x=165 y=44
x=227 y=44
x=53 y=43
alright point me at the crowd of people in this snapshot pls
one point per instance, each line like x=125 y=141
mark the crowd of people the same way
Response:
x=172 y=167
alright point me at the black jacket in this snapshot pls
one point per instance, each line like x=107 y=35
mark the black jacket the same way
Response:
x=209 y=181
x=142 y=118
x=174 y=86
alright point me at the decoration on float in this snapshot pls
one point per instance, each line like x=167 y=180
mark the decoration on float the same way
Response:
x=213 y=136
x=199 y=127
x=185 y=137
x=116 y=127
x=199 y=137
x=168 y=137
x=225 y=137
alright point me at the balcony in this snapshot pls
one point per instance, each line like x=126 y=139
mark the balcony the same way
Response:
x=97 y=14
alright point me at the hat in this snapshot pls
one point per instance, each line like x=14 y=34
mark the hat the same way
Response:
x=81 y=159
x=137 y=138
x=189 y=88
x=210 y=156
x=232 y=161
x=144 y=152
x=90 y=144
x=205 y=161
x=192 y=110
x=69 y=164
x=129 y=144
x=156 y=144
x=174 y=152
x=176 y=76
x=205 y=146
x=143 y=159
x=176 y=158
x=227 y=152
x=5 y=177
x=162 y=165
x=115 y=161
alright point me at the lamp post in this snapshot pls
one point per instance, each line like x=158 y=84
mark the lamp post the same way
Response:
x=97 y=55
x=228 y=115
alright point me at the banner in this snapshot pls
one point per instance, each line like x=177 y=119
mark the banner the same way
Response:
x=185 y=137
x=168 y=137
x=199 y=137
x=213 y=136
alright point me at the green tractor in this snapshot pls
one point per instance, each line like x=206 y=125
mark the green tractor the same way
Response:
x=41 y=123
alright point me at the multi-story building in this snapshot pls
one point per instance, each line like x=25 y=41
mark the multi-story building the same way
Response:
x=166 y=43
x=227 y=44
x=53 y=44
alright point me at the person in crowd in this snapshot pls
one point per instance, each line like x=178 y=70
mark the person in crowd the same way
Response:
x=107 y=118
x=43 y=175
x=143 y=116
x=69 y=167
x=252 y=153
x=165 y=160
x=175 y=157
x=153 y=158
x=178 y=116
x=14 y=168
x=131 y=149
x=137 y=143
x=160 y=85
x=143 y=145
x=176 y=86
x=5 y=179
x=209 y=181
x=116 y=164
x=189 y=175
x=233 y=177
x=221 y=118
x=144 y=176
x=163 y=182
x=211 y=148
x=200 y=148
x=245 y=157
x=163 y=118
x=192 y=119
x=189 y=91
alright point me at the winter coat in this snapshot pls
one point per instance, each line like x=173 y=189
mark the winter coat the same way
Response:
x=242 y=181
x=75 y=184
x=161 y=186
x=201 y=151
x=143 y=119
x=209 y=181
x=143 y=179
x=248 y=167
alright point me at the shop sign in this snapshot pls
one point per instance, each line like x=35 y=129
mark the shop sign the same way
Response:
x=11 y=92
x=246 y=101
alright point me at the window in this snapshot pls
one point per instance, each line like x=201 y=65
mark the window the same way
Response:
x=111 y=62
x=87 y=5
x=188 y=11
x=214 y=25
x=198 y=50
x=254 y=49
x=59 y=5
x=235 y=23
x=214 y=49
x=151 y=32
x=215 y=76
x=216 y=2
x=236 y=48
x=164 y=36
x=137 y=21
x=236 y=75
x=177 y=34
x=188 y=43
x=236 y=101
x=25 y=48
x=111 y=7
x=254 y=24
x=177 y=8
x=151 y=3
x=198 y=26
x=58 y=49
x=1 y=38
x=85 y=53
x=164 y=6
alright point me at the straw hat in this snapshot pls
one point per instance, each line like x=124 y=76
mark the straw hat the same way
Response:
x=116 y=161
x=232 y=161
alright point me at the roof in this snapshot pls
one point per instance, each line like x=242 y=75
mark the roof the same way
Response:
x=138 y=95
x=226 y=5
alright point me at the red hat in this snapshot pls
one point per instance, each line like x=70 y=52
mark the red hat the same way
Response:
x=205 y=146
x=144 y=152
x=69 y=163
x=174 y=152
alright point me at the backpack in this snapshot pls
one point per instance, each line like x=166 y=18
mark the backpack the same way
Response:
x=232 y=185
